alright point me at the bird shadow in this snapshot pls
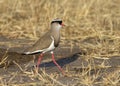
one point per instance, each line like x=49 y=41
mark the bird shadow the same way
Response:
x=61 y=62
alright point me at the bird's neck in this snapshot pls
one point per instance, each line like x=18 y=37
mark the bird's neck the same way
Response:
x=56 y=29
x=55 y=32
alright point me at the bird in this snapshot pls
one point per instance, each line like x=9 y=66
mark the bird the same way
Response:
x=47 y=43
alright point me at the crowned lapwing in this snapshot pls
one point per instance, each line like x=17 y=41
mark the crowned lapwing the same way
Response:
x=47 y=43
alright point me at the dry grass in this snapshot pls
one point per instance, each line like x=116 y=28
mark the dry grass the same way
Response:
x=94 y=25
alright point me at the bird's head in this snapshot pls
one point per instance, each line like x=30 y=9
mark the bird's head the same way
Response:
x=57 y=21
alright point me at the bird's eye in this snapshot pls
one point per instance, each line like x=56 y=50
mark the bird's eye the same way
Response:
x=60 y=22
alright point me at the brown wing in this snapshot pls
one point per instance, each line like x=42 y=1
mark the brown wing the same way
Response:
x=43 y=43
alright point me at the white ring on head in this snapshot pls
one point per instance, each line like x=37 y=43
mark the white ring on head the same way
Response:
x=56 y=20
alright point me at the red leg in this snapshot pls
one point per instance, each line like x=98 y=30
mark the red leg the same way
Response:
x=39 y=60
x=57 y=64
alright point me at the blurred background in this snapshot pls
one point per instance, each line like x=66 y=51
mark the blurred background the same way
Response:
x=93 y=24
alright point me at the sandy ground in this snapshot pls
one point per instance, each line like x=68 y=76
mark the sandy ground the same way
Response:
x=19 y=69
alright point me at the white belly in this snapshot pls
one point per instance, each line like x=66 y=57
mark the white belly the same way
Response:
x=51 y=47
